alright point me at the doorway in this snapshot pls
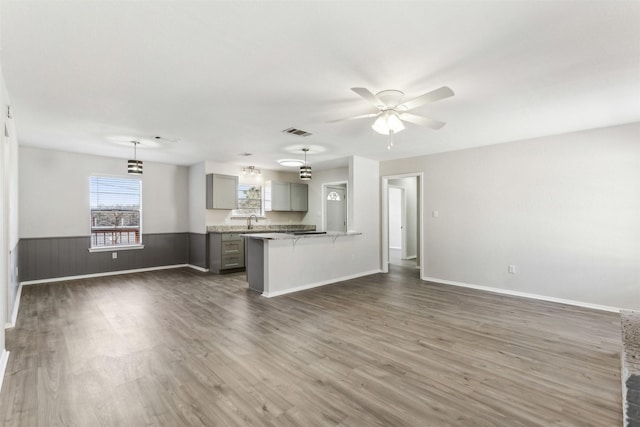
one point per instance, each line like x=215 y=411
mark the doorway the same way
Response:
x=402 y=241
x=335 y=207
x=399 y=253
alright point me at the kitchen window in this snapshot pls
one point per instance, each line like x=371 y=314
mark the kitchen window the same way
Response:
x=250 y=201
x=115 y=212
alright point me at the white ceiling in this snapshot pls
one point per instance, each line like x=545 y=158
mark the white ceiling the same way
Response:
x=227 y=77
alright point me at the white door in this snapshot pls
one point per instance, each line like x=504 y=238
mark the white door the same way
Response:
x=396 y=220
x=336 y=208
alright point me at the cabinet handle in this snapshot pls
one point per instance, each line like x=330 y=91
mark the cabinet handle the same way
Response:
x=231 y=265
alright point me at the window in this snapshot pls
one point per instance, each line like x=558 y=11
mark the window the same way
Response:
x=249 y=200
x=333 y=196
x=115 y=211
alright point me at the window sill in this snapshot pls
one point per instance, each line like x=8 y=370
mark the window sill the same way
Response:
x=115 y=248
x=246 y=216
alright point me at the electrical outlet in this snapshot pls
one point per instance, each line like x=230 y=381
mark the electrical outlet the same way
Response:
x=434 y=214
x=114 y=255
x=512 y=269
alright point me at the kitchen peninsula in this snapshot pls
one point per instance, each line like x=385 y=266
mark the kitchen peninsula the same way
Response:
x=226 y=247
x=280 y=263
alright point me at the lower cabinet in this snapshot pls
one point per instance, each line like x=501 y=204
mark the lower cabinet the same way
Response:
x=226 y=252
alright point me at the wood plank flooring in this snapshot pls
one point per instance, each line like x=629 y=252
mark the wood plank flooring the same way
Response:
x=182 y=348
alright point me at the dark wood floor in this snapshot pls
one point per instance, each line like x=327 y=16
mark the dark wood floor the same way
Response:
x=177 y=347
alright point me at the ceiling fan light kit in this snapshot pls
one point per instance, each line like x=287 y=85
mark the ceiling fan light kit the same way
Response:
x=388 y=122
x=393 y=111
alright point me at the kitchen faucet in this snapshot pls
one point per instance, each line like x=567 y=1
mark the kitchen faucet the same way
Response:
x=249 y=225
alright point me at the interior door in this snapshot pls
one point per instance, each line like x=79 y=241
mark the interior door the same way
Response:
x=335 y=199
x=397 y=231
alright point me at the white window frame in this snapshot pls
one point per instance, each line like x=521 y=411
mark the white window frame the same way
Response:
x=235 y=212
x=114 y=248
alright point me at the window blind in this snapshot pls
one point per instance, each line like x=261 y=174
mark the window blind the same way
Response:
x=115 y=193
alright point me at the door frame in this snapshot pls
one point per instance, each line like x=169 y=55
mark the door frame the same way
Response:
x=323 y=203
x=384 y=247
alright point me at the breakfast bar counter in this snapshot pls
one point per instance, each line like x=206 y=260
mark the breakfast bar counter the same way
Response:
x=280 y=263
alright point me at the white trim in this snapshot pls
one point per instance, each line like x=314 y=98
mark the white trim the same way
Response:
x=115 y=248
x=4 y=360
x=108 y=273
x=195 y=267
x=524 y=295
x=384 y=200
x=321 y=283
x=16 y=307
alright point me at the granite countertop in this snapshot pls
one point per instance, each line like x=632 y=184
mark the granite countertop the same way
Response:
x=259 y=228
x=286 y=236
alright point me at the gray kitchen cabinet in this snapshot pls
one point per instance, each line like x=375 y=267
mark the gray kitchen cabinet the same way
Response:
x=285 y=196
x=226 y=252
x=222 y=191
x=277 y=196
x=299 y=197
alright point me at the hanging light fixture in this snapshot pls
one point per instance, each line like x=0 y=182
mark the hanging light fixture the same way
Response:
x=134 y=166
x=388 y=123
x=305 y=170
x=251 y=170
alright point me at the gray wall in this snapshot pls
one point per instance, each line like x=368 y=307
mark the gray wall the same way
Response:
x=55 y=215
x=53 y=257
x=198 y=250
x=565 y=210
x=54 y=193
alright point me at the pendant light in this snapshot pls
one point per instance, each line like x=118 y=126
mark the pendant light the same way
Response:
x=305 y=170
x=134 y=166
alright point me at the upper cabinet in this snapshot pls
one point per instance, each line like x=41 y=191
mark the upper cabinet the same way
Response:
x=277 y=196
x=222 y=191
x=299 y=197
x=285 y=196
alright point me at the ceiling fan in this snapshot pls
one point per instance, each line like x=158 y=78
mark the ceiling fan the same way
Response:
x=393 y=110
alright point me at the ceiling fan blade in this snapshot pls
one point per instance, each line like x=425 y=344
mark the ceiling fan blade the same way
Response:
x=422 y=121
x=434 y=95
x=366 y=94
x=363 y=116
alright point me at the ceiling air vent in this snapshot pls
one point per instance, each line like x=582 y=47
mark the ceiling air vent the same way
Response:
x=294 y=131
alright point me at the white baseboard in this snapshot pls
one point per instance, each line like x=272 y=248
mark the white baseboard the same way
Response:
x=4 y=359
x=108 y=273
x=16 y=307
x=195 y=267
x=524 y=294
x=317 y=284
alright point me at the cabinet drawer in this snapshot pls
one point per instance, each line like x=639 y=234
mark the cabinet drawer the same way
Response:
x=231 y=236
x=232 y=261
x=234 y=247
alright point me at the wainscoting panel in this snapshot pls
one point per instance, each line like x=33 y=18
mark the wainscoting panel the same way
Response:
x=198 y=250
x=48 y=258
x=14 y=283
